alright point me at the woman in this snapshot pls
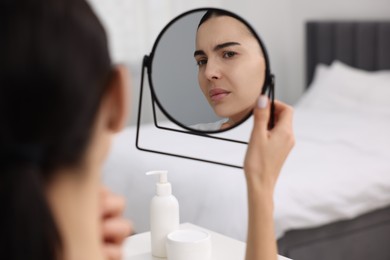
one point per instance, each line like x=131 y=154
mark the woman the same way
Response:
x=61 y=101
x=231 y=67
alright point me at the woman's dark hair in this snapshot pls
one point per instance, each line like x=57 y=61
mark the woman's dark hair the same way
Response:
x=212 y=13
x=54 y=68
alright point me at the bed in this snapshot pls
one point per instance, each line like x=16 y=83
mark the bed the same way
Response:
x=332 y=200
x=365 y=46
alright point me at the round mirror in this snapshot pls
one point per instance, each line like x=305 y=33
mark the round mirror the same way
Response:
x=206 y=70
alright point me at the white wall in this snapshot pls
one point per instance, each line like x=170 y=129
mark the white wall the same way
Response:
x=280 y=23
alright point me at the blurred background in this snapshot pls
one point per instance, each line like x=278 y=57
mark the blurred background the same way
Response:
x=133 y=26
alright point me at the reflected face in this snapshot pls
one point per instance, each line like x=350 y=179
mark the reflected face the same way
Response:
x=231 y=66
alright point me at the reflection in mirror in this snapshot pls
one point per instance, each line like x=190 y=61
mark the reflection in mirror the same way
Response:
x=207 y=70
x=231 y=68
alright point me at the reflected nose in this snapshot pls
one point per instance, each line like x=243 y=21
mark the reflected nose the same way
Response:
x=212 y=71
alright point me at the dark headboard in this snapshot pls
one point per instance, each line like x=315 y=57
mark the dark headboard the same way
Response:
x=361 y=44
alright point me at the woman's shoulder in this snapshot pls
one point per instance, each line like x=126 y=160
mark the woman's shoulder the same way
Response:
x=213 y=126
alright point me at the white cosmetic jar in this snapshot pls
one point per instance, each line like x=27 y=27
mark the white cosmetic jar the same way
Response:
x=188 y=244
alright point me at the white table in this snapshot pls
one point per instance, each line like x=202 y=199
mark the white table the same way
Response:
x=137 y=247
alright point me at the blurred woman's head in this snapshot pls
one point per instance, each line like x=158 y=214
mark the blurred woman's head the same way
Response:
x=59 y=99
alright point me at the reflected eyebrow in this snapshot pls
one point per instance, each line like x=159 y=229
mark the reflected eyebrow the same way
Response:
x=224 y=45
x=198 y=53
x=217 y=47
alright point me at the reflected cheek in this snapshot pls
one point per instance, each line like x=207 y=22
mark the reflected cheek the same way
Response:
x=203 y=85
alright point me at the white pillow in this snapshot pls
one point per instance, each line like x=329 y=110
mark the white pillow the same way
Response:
x=341 y=87
x=309 y=97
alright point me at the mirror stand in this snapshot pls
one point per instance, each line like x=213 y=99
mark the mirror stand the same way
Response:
x=214 y=141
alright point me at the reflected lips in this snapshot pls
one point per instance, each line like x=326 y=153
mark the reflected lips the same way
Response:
x=217 y=94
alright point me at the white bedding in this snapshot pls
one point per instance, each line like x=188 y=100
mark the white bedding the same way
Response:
x=339 y=168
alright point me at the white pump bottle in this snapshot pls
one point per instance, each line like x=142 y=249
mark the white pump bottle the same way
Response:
x=164 y=214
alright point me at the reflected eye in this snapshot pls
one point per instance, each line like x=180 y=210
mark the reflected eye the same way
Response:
x=201 y=62
x=229 y=54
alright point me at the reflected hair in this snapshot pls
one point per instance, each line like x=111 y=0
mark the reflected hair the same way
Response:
x=54 y=70
x=219 y=12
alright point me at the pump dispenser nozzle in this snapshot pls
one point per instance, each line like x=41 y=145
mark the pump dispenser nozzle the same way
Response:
x=163 y=175
x=163 y=187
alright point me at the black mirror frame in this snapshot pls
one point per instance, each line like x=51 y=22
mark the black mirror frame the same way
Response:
x=268 y=86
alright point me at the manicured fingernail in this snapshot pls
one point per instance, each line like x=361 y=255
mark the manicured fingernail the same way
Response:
x=262 y=102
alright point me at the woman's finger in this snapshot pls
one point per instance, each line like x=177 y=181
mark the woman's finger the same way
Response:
x=116 y=229
x=112 y=204
x=112 y=251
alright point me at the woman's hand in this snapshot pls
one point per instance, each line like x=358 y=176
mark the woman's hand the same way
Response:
x=115 y=228
x=268 y=148
x=266 y=153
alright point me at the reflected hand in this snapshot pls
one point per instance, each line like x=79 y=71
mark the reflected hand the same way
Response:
x=115 y=228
